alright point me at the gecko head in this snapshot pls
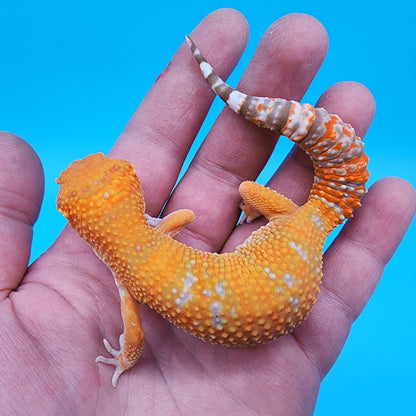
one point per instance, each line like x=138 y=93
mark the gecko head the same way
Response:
x=96 y=184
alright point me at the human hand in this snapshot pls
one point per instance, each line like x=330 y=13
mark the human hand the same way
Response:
x=54 y=314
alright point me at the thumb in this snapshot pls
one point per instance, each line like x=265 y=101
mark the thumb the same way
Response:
x=21 y=193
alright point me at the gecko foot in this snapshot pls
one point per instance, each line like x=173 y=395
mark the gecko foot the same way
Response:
x=249 y=213
x=118 y=360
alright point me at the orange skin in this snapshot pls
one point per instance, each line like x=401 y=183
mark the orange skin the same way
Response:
x=262 y=290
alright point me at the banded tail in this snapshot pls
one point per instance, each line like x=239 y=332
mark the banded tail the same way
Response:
x=336 y=152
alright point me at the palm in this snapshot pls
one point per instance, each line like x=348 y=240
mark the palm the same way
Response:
x=66 y=302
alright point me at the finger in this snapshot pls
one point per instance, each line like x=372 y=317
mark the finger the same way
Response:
x=354 y=103
x=286 y=60
x=353 y=266
x=21 y=192
x=161 y=131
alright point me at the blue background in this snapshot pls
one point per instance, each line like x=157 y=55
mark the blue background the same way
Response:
x=72 y=73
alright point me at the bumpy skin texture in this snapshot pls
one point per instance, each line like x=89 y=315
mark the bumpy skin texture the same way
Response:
x=262 y=290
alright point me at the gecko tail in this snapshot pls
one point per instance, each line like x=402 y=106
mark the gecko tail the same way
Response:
x=228 y=94
x=337 y=153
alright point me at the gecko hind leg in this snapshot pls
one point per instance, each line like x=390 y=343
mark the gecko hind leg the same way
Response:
x=258 y=200
x=173 y=223
x=131 y=340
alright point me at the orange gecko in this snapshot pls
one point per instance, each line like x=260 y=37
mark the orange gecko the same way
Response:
x=262 y=290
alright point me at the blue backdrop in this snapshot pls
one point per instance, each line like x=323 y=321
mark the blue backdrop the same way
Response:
x=72 y=73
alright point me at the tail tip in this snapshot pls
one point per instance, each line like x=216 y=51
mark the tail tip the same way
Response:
x=189 y=40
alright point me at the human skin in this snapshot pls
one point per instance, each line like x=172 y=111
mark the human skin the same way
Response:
x=54 y=314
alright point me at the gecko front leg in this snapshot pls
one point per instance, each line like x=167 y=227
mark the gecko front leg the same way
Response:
x=173 y=223
x=131 y=340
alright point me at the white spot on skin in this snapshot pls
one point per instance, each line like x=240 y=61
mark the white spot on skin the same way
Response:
x=137 y=247
x=299 y=123
x=332 y=205
x=216 y=84
x=216 y=308
x=154 y=222
x=185 y=294
x=317 y=220
x=106 y=195
x=189 y=281
x=236 y=100
x=188 y=40
x=288 y=279
x=299 y=250
x=207 y=292
x=206 y=69
x=294 y=301
x=269 y=273
x=219 y=288
x=183 y=298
